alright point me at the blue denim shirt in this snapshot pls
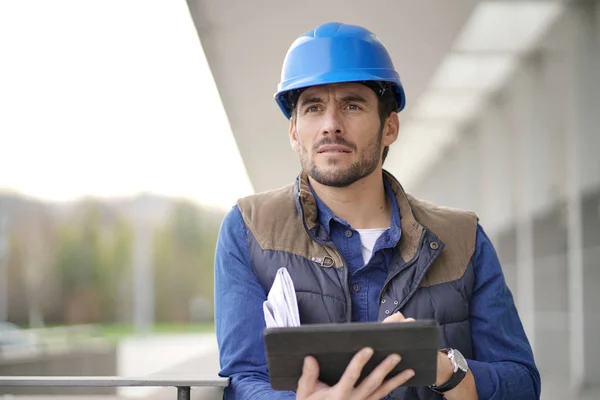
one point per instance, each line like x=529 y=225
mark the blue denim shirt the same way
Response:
x=497 y=332
x=365 y=281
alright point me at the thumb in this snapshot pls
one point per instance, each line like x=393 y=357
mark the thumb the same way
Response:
x=398 y=317
x=307 y=384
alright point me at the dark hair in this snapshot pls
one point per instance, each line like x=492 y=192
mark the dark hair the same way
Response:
x=385 y=95
x=387 y=105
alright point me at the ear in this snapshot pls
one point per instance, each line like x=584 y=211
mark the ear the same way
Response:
x=294 y=136
x=390 y=129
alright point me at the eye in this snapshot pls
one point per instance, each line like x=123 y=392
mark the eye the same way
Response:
x=312 y=109
x=352 y=107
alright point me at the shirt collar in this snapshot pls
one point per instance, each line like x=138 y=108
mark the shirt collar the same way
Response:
x=326 y=217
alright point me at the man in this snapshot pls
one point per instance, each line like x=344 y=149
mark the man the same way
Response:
x=358 y=248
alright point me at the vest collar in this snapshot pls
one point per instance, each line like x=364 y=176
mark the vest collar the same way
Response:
x=411 y=229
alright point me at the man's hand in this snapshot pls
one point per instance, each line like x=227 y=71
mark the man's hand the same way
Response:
x=371 y=388
x=444 y=366
x=397 y=317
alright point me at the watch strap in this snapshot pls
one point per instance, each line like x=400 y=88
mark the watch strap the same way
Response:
x=454 y=380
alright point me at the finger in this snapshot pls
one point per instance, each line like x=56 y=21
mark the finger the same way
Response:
x=375 y=378
x=395 y=317
x=307 y=384
x=392 y=384
x=346 y=383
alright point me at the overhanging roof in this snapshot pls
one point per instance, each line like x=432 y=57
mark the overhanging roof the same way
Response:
x=245 y=43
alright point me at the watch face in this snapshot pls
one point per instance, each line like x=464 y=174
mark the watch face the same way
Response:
x=460 y=360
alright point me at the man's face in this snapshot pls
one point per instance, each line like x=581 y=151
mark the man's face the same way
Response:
x=338 y=134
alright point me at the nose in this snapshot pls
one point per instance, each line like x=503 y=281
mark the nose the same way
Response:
x=332 y=122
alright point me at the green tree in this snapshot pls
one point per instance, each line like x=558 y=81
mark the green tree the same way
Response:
x=183 y=262
x=94 y=253
x=31 y=256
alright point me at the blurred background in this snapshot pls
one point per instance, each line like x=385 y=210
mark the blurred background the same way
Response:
x=129 y=128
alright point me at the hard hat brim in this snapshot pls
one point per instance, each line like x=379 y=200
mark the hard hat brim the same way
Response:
x=348 y=76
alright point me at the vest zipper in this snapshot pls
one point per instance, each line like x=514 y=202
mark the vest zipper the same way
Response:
x=389 y=279
x=405 y=266
x=348 y=297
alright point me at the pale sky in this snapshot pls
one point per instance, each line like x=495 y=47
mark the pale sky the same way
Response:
x=111 y=97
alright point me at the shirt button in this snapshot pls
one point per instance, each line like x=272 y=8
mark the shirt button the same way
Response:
x=434 y=245
x=348 y=233
x=356 y=287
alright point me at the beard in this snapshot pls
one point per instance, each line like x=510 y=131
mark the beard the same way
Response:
x=367 y=162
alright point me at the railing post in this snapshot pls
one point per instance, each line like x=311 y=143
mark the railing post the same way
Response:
x=183 y=393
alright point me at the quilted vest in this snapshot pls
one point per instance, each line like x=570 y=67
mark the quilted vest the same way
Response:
x=430 y=276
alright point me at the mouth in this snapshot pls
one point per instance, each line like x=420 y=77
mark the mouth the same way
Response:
x=332 y=149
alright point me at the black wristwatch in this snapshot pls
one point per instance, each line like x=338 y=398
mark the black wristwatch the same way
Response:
x=460 y=368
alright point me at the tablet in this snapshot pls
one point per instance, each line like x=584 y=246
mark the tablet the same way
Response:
x=334 y=345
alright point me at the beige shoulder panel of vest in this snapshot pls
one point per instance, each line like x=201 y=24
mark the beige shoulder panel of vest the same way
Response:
x=275 y=222
x=457 y=229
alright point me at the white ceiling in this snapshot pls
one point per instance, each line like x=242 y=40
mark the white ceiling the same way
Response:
x=245 y=43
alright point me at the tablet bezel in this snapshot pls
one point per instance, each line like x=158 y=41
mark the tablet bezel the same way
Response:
x=333 y=345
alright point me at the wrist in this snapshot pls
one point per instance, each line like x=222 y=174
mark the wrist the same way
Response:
x=457 y=370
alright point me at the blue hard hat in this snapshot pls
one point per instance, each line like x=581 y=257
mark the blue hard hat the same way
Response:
x=334 y=53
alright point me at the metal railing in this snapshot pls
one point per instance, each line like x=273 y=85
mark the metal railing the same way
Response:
x=183 y=385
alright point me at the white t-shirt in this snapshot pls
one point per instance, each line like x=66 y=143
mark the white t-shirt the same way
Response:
x=368 y=237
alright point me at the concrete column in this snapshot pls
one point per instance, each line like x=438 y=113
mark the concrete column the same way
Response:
x=497 y=215
x=468 y=171
x=3 y=266
x=523 y=111
x=143 y=273
x=583 y=277
x=496 y=169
